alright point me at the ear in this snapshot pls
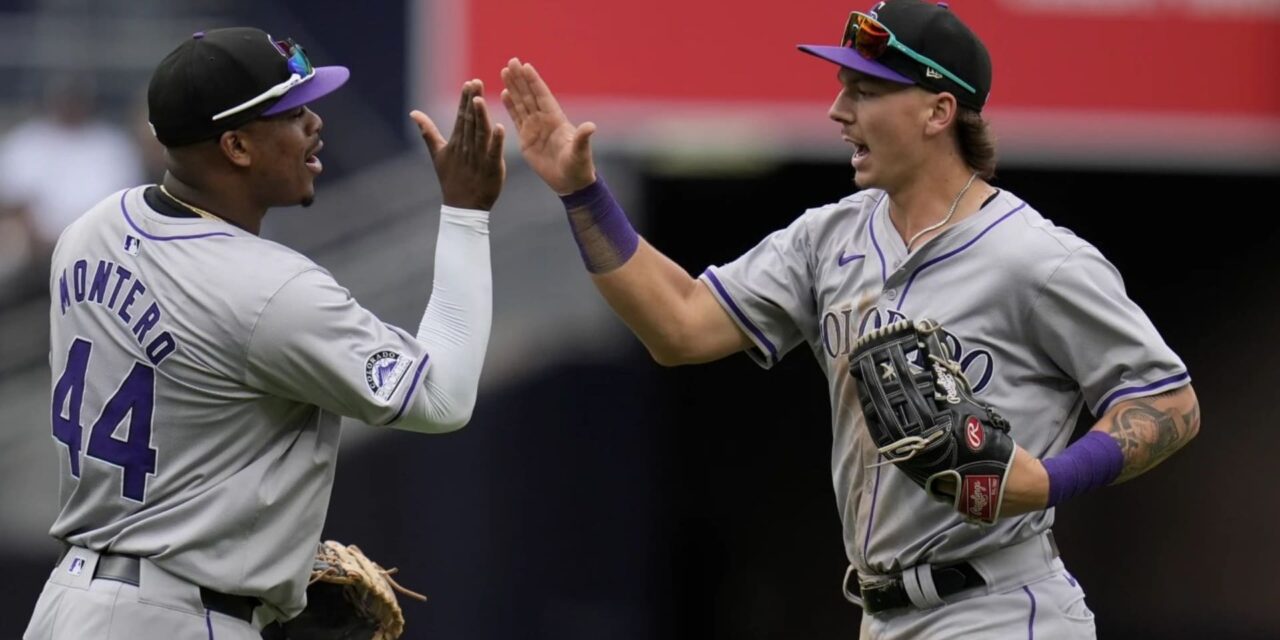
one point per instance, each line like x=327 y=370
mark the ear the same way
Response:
x=942 y=112
x=236 y=146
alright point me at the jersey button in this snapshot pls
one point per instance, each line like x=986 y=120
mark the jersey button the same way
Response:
x=891 y=294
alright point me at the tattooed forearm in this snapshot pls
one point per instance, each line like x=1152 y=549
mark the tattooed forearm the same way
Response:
x=1152 y=429
x=1192 y=417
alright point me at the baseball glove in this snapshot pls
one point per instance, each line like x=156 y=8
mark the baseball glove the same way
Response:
x=921 y=413
x=350 y=597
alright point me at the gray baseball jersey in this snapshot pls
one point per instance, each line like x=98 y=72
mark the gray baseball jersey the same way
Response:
x=199 y=375
x=1036 y=316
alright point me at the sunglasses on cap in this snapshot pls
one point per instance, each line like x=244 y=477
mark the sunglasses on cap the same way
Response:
x=300 y=70
x=870 y=38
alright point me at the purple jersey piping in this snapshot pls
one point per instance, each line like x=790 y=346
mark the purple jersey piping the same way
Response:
x=930 y=263
x=742 y=317
x=1031 y=623
x=871 y=516
x=413 y=387
x=1128 y=391
x=871 y=226
x=148 y=236
x=208 y=623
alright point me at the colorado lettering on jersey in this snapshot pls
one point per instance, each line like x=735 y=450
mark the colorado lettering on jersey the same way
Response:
x=114 y=287
x=838 y=338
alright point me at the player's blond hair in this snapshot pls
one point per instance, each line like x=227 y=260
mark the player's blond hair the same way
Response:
x=977 y=143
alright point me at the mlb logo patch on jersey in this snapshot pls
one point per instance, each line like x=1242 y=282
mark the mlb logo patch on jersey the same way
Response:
x=384 y=370
x=131 y=245
x=76 y=566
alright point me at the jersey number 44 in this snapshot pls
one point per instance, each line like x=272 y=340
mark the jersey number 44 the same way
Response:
x=134 y=397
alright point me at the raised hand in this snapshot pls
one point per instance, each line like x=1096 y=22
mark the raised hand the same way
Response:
x=470 y=165
x=558 y=152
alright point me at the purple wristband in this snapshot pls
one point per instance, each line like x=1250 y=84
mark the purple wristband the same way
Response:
x=604 y=235
x=1090 y=462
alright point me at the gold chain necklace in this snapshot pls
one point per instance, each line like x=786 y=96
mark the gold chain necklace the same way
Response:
x=954 y=203
x=197 y=210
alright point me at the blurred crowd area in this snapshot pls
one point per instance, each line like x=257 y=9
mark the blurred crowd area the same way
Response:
x=72 y=123
x=73 y=118
x=73 y=129
x=57 y=159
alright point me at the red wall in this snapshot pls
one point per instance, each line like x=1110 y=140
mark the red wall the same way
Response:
x=1171 y=59
x=1178 y=82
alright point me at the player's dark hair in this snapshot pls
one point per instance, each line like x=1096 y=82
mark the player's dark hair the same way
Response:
x=977 y=143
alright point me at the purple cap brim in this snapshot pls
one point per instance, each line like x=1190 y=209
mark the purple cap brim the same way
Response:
x=846 y=57
x=326 y=81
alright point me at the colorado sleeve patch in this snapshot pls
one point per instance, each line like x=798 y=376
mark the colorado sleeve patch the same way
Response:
x=383 y=372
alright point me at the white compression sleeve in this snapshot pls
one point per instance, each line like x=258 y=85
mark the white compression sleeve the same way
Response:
x=455 y=326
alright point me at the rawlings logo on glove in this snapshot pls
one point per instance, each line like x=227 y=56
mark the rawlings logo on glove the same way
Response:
x=926 y=420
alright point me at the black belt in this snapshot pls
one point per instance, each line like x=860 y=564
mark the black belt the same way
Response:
x=126 y=569
x=947 y=580
x=892 y=593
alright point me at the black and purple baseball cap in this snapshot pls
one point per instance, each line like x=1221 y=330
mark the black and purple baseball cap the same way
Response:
x=221 y=79
x=914 y=42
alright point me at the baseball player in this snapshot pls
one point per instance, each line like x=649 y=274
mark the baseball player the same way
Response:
x=1037 y=320
x=199 y=371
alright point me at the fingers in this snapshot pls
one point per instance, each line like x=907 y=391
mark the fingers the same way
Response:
x=496 y=143
x=464 y=108
x=489 y=136
x=521 y=91
x=582 y=139
x=484 y=123
x=469 y=128
x=526 y=94
x=515 y=106
x=430 y=134
x=510 y=105
x=511 y=80
x=541 y=92
x=482 y=139
x=472 y=129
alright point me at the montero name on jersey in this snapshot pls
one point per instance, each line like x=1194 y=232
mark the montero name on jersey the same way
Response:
x=79 y=288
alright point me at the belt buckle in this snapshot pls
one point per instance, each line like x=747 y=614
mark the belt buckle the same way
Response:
x=883 y=585
x=878 y=585
x=876 y=594
x=882 y=594
x=856 y=596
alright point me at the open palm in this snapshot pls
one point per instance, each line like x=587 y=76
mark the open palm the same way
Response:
x=558 y=152
x=470 y=164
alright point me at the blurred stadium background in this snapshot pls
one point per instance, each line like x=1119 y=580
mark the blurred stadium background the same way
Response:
x=596 y=495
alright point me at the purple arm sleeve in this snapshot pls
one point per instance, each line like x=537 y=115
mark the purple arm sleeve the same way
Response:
x=605 y=237
x=1090 y=462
